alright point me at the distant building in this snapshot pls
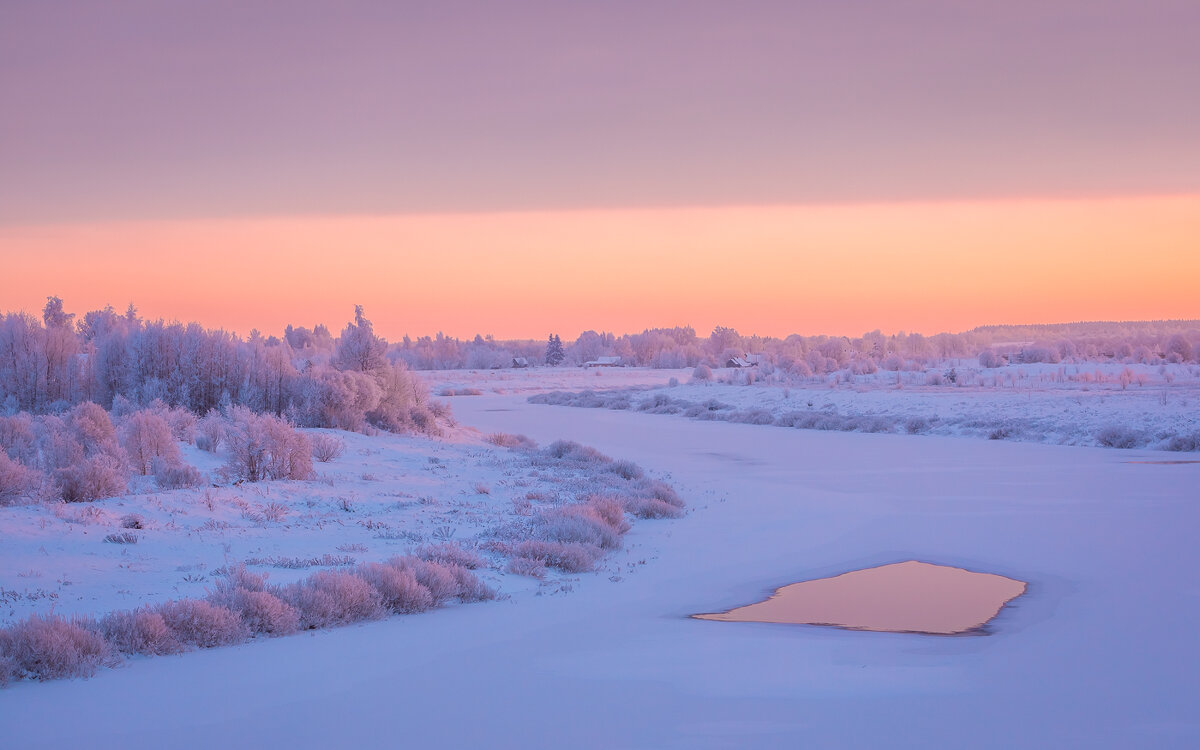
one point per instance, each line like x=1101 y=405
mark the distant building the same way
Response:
x=738 y=362
x=603 y=362
x=520 y=362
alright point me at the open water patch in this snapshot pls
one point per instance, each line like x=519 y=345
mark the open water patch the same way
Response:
x=905 y=597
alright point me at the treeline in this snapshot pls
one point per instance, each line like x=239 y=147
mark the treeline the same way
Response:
x=1149 y=342
x=121 y=362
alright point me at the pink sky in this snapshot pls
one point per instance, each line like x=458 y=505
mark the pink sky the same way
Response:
x=776 y=166
x=775 y=270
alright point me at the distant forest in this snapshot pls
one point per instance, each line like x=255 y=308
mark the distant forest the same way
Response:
x=357 y=380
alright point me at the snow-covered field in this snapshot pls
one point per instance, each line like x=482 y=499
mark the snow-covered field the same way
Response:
x=1101 y=651
x=1117 y=405
x=382 y=497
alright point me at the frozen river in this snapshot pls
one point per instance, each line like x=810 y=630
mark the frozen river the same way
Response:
x=1101 y=651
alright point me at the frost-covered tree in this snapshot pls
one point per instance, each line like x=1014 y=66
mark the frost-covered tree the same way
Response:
x=359 y=349
x=146 y=436
x=554 y=351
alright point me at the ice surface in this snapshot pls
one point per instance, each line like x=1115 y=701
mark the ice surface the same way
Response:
x=1101 y=652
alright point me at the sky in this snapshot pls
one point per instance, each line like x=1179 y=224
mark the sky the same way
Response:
x=527 y=167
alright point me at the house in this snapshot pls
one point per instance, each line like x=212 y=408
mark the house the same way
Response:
x=520 y=362
x=738 y=362
x=603 y=362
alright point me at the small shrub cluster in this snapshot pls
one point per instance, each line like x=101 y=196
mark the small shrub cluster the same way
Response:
x=326 y=448
x=460 y=392
x=241 y=605
x=506 y=440
x=266 y=447
x=1119 y=436
x=50 y=647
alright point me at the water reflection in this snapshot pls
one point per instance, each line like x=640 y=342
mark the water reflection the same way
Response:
x=907 y=597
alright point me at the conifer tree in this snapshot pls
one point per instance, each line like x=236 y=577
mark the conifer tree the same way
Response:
x=554 y=350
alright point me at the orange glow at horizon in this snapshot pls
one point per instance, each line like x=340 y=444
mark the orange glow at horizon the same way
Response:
x=771 y=270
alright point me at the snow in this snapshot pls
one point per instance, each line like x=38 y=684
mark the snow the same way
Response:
x=1058 y=404
x=1100 y=652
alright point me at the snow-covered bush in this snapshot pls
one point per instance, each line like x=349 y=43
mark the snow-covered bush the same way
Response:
x=989 y=358
x=650 y=507
x=210 y=432
x=506 y=440
x=48 y=647
x=1183 y=442
x=262 y=612
x=141 y=631
x=266 y=447
x=702 y=374
x=244 y=593
x=146 y=436
x=569 y=557
x=200 y=623
x=90 y=479
x=438 y=578
x=332 y=597
x=1119 y=436
x=17 y=483
x=174 y=476
x=581 y=524
x=527 y=566
x=399 y=589
x=326 y=448
x=449 y=553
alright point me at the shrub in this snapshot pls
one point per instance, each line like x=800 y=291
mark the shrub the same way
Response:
x=570 y=452
x=18 y=439
x=438 y=578
x=17 y=482
x=262 y=612
x=527 y=566
x=48 y=647
x=238 y=577
x=91 y=479
x=399 y=589
x=125 y=537
x=176 y=476
x=626 y=469
x=266 y=447
x=470 y=588
x=93 y=429
x=990 y=359
x=141 y=631
x=916 y=425
x=202 y=623
x=650 y=507
x=702 y=374
x=146 y=436
x=1183 y=442
x=325 y=448
x=133 y=521
x=8 y=669
x=333 y=597
x=610 y=511
x=449 y=553
x=1117 y=436
x=506 y=440
x=569 y=557
x=210 y=432
x=580 y=524
x=660 y=491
